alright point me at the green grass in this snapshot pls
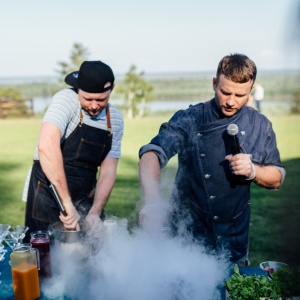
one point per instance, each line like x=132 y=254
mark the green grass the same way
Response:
x=275 y=226
x=275 y=222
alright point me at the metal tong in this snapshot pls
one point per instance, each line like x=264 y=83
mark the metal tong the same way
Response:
x=57 y=199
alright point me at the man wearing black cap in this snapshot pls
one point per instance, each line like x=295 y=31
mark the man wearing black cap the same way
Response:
x=80 y=132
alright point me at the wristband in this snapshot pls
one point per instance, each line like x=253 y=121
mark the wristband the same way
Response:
x=253 y=172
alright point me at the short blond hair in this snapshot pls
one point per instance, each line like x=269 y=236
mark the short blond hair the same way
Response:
x=237 y=67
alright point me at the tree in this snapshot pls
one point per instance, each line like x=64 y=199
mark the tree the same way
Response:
x=136 y=92
x=13 y=104
x=79 y=54
x=295 y=107
x=10 y=93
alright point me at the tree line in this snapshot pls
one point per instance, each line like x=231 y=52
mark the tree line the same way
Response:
x=136 y=89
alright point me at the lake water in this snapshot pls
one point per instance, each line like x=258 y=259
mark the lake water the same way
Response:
x=40 y=104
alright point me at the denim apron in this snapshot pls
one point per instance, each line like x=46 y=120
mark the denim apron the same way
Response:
x=83 y=152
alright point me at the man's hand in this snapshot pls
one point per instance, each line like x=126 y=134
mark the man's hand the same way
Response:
x=71 y=219
x=152 y=217
x=241 y=164
x=94 y=223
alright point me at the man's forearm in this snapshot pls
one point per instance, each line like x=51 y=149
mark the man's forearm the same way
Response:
x=149 y=174
x=102 y=193
x=267 y=177
x=51 y=159
x=52 y=166
x=105 y=183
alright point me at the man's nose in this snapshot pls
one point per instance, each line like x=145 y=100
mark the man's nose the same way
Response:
x=231 y=100
x=94 y=104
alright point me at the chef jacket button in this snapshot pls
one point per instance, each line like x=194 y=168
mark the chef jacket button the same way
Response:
x=202 y=155
x=212 y=197
x=199 y=134
x=206 y=176
x=216 y=218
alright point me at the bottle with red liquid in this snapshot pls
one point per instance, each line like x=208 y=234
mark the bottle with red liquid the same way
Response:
x=41 y=241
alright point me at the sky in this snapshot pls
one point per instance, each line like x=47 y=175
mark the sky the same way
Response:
x=157 y=36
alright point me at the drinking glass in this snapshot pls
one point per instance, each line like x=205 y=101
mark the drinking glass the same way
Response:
x=10 y=241
x=18 y=233
x=2 y=254
x=3 y=232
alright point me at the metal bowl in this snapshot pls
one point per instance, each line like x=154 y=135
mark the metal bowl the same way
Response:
x=276 y=265
x=67 y=236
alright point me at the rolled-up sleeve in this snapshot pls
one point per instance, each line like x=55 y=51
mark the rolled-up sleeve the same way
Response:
x=272 y=156
x=159 y=151
x=170 y=140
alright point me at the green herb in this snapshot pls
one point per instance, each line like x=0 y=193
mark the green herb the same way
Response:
x=253 y=287
x=287 y=280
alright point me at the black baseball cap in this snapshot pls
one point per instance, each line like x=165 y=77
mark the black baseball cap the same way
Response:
x=91 y=77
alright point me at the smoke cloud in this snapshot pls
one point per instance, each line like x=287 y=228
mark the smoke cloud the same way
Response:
x=140 y=265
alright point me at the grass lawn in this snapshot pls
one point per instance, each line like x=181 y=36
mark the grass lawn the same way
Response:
x=275 y=225
x=275 y=222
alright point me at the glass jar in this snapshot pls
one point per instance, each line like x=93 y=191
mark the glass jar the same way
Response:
x=41 y=241
x=24 y=268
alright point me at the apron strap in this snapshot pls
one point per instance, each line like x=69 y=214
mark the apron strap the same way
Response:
x=81 y=118
x=108 y=120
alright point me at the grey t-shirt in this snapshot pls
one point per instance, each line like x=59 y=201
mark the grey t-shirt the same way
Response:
x=64 y=112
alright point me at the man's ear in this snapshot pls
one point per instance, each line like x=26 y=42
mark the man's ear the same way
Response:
x=214 y=83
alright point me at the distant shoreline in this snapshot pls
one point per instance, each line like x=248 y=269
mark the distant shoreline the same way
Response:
x=147 y=76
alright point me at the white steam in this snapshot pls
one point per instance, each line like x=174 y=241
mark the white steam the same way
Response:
x=135 y=266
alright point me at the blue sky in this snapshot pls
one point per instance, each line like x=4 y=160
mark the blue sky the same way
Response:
x=156 y=35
